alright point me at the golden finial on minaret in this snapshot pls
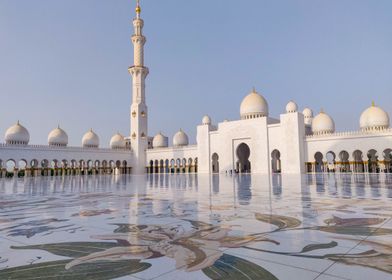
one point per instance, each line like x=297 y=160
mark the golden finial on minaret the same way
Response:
x=138 y=9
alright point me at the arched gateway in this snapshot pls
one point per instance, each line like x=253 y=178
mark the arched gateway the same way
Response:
x=243 y=154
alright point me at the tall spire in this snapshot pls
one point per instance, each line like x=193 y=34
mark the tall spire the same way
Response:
x=138 y=9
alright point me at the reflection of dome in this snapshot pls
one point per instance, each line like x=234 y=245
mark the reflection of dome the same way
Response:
x=117 y=141
x=291 y=107
x=90 y=140
x=206 y=120
x=308 y=116
x=160 y=141
x=323 y=124
x=58 y=137
x=180 y=139
x=253 y=106
x=17 y=135
x=374 y=118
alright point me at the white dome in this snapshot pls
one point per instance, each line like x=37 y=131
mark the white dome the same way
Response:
x=206 y=120
x=58 y=137
x=253 y=106
x=374 y=118
x=17 y=135
x=117 y=141
x=90 y=139
x=160 y=141
x=308 y=116
x=291 y=107
x=180 y=139
x=323 y=124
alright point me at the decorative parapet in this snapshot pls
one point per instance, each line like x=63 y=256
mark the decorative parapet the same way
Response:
x=167 y=149
x=61 y=148
x=357 y=133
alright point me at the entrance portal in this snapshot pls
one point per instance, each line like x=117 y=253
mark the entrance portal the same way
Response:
x=215 y=163
x=243 y=163
x=275 y=162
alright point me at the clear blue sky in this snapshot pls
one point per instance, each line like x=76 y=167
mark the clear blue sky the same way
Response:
x=65 y=61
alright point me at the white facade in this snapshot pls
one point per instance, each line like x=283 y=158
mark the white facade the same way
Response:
x=293 y=143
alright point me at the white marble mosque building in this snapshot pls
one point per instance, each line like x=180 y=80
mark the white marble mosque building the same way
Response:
x=294 y=142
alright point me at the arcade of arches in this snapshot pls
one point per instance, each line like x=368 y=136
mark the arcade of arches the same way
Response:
x=173 y=166
x=35 y=168
x=371 y=161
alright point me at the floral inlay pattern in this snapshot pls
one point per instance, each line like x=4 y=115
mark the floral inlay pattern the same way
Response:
x=78 y=234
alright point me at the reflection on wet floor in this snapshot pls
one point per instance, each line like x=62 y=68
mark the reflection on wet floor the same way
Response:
x=163 y=226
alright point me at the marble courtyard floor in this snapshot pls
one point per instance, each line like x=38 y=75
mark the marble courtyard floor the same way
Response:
x=322 y=227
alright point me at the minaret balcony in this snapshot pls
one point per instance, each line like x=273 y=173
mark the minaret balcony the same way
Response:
x=138 y=71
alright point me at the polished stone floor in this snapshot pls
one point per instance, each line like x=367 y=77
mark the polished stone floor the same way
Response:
x=197 y=227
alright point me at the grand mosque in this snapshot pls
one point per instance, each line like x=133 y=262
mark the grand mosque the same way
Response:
x=294 y=142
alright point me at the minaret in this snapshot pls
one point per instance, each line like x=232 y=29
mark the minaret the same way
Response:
x=139 y=113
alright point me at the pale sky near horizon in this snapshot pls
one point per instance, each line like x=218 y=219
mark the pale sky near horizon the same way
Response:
x=65 y=62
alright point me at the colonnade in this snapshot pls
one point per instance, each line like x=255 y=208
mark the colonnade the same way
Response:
x=370 y=162
x=22 y=168
x=172 y=166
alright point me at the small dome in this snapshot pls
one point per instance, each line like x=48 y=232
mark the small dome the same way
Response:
x=291 y=107
x=323 y=124
x=90 y=139
x=17 y=135
x=374 y=118
x=180 y=139
x=206 y=120
x=160 y=141
x=308 y=116
x=58 y=137
x=117 y=141
x=253 y=106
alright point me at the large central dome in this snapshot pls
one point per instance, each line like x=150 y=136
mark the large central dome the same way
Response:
x=253 y=106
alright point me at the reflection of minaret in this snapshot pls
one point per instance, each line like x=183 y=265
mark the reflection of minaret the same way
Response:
x=138 y=108
x=309 y=211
